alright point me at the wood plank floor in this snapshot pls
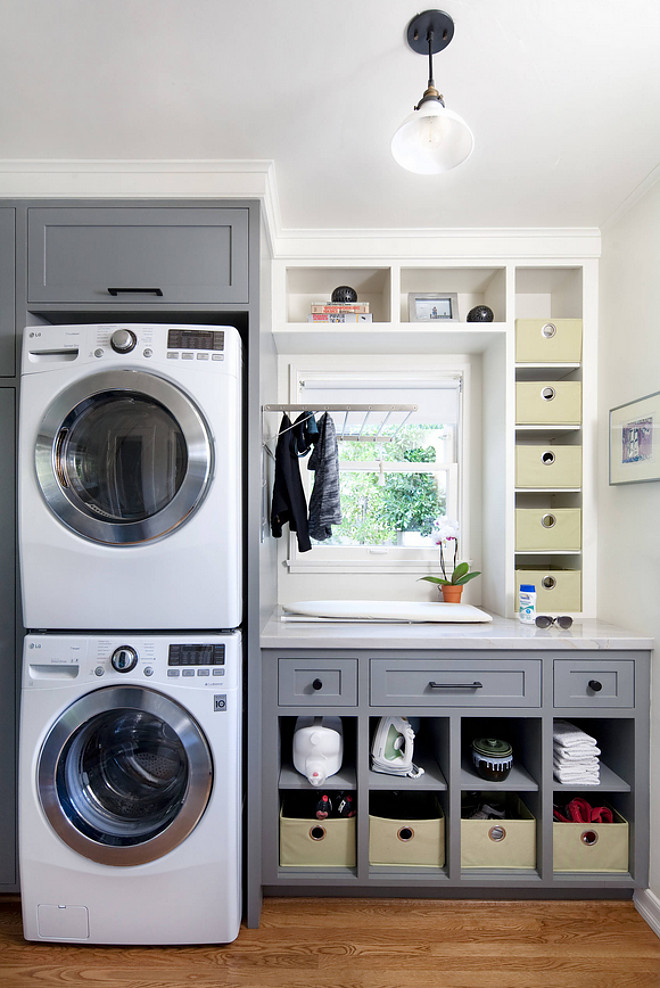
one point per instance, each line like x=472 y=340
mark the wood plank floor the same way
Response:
x=367 y=943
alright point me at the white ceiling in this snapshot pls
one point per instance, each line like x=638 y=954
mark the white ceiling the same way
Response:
x=563 y=97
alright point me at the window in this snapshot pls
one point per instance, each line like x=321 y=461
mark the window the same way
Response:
x=399 y=470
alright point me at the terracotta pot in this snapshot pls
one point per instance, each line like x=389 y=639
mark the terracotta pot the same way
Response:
x=451 y=594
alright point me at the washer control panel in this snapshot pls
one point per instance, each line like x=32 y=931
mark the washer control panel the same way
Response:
x=206 y=661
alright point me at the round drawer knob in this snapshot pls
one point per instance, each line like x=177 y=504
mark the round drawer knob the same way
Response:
x=317 y=685
x=595 y=685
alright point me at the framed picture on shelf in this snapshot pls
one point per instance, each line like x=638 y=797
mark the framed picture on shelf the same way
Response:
x=432 y=307
x=635 y=441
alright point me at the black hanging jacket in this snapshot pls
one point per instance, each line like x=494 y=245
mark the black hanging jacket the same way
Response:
x=289 y=504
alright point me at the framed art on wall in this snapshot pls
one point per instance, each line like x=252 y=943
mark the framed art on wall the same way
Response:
x=635 y=441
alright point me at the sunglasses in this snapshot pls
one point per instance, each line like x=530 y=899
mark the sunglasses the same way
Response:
x=544 y=621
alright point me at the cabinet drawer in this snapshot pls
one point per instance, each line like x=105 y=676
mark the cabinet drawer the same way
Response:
x=552 y=467
x=174 y=255
x=545 y=341
x=455 y=683
x=548 y=530
x=577 y=683
x=548 y=403
x=321 y=682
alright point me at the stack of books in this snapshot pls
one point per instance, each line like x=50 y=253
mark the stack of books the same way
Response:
x=339 y=312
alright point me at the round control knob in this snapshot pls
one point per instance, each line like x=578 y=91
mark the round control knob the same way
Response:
x=123 y=341
x=124 y=659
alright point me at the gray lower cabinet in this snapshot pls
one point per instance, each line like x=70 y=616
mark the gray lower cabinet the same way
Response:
x=130 y=254
x=420 y=836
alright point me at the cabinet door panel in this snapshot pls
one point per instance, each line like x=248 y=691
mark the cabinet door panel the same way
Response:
x=7 y=293
x=7 y=642
x=108 y=254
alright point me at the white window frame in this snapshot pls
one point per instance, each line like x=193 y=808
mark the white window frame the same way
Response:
x=386 y=559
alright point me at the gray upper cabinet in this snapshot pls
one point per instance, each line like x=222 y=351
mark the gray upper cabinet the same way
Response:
x=140 y=255
x=7 y=292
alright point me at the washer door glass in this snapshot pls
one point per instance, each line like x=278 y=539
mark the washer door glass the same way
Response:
x=124 y=775
x=123 y=457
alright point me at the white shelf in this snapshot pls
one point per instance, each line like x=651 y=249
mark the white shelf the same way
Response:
x=387 y=337
x=548 y=428
x=548 y=490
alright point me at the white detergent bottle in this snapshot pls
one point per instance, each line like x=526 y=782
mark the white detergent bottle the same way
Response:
x=527 y=603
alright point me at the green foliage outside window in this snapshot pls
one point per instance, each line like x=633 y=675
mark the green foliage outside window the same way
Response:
x=374 y=512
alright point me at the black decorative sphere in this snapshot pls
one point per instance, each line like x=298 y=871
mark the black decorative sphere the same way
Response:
x=480 y=313
x=344 y=294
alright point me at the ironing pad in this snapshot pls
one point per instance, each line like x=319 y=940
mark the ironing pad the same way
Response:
x=389 y=610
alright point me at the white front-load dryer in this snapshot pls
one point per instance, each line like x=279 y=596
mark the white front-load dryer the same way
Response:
x=130 y=466
x=130 y=788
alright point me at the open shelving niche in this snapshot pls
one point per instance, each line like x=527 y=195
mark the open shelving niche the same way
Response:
x=513 y=289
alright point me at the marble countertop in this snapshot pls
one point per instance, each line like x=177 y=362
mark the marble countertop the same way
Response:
x=501 y=633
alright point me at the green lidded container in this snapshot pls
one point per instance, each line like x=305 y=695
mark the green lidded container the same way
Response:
x=492 y=758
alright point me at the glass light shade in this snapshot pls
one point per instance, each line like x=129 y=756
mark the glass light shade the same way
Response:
x=432 y=139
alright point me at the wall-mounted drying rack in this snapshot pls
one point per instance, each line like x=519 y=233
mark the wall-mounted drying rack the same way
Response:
x=356 y=433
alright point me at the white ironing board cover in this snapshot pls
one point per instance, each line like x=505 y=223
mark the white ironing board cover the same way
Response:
x=389 y=610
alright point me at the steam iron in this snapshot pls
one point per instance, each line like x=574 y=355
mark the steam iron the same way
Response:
x=392 y=748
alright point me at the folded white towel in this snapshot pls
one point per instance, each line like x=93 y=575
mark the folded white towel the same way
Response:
x=576 y=753
x=586 y=763
x=576 y=778
x=570 y=736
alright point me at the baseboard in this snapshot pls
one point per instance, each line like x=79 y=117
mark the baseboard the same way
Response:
x=647 y=905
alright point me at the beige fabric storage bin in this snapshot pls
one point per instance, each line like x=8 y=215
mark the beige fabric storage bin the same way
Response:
x=507 y=843
x=548 y=403
x=311 y=843
x=409 y=840
x=548 y=529
x=557 y=590
x=591 y=846
x=545 y=341
x=548 y=466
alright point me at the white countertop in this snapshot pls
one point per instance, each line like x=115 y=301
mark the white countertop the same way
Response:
x=501 y=633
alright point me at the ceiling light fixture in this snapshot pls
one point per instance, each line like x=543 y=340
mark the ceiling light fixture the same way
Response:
x=432 y=139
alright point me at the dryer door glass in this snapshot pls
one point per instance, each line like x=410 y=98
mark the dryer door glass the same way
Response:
x=123 y=457
x=124 y=775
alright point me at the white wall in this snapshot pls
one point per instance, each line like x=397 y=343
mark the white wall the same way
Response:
x=629 y=515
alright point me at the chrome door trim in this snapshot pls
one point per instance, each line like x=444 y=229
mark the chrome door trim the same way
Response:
x=200 y=772
x=187 y=499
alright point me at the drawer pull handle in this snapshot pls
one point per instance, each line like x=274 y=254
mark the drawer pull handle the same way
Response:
x=595 y=685
x=456 y=686
x=134 y=291
x=317 y=684
x=548 y=393
x=589 y=837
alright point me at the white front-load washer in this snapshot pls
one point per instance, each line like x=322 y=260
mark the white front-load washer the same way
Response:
x=129 y=488
x=130 y=788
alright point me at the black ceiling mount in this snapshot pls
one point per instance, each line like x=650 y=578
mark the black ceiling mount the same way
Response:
x=438 y=23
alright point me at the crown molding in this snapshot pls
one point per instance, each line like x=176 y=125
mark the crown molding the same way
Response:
x=60 y=178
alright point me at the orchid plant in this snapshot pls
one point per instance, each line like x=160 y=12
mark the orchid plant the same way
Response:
x=445 y=532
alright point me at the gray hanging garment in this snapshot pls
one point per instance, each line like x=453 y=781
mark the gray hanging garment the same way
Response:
x=324 y=506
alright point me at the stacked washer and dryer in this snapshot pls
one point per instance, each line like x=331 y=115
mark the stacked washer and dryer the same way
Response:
x=130 y=542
